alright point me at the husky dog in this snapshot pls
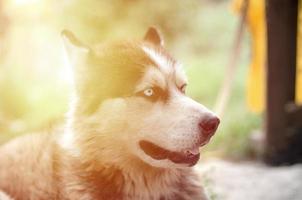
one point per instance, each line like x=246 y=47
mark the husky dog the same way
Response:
x=131 y=132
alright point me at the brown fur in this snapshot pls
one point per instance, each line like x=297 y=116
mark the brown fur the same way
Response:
x=35 y=167
x=98 y=163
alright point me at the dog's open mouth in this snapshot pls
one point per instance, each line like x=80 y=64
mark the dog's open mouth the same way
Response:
x=159 y=153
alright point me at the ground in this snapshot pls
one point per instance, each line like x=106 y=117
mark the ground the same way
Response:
x=225 y=180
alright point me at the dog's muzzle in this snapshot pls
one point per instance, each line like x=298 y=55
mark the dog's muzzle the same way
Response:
x=207 y=126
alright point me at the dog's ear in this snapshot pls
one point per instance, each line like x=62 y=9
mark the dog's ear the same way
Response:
x=76 y=50
x=154 y=36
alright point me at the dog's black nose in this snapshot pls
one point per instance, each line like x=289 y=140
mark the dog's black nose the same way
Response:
x=209 y=125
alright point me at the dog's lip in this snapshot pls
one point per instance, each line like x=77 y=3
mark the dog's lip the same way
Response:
x=204 y=142
x=193 y=151
x=188 y=156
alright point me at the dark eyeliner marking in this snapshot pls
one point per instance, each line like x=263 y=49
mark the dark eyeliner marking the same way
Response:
x=183 y=88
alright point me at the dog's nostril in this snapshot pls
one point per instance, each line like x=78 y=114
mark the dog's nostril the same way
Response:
x=209 y=125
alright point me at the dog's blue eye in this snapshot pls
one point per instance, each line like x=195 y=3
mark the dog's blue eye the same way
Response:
x=148 y=92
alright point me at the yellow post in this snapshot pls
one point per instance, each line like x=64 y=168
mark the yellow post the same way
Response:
x=256 y=22
x=299 y=58
x=256 y=76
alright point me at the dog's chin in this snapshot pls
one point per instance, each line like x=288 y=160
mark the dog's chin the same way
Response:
x=160 y=154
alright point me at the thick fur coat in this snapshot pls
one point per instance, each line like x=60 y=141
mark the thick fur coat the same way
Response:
x=131 y=133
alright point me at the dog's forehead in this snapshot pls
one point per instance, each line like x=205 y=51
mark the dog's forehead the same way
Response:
x=126 y=52
x=165 y=65
x=161 y=58
x=144 y=55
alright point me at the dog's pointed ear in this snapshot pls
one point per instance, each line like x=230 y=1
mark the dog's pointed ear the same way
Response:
x=154 y=36
x=76 y=50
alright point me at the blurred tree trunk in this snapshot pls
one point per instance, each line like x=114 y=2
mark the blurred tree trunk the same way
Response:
x=284 y=142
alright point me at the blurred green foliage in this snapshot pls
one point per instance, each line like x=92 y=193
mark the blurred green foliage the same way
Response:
x=199 y=33
x=97 y=20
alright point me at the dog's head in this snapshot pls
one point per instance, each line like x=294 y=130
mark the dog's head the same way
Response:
x=131 y=96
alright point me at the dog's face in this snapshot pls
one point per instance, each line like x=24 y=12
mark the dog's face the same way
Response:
x=132 y=94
